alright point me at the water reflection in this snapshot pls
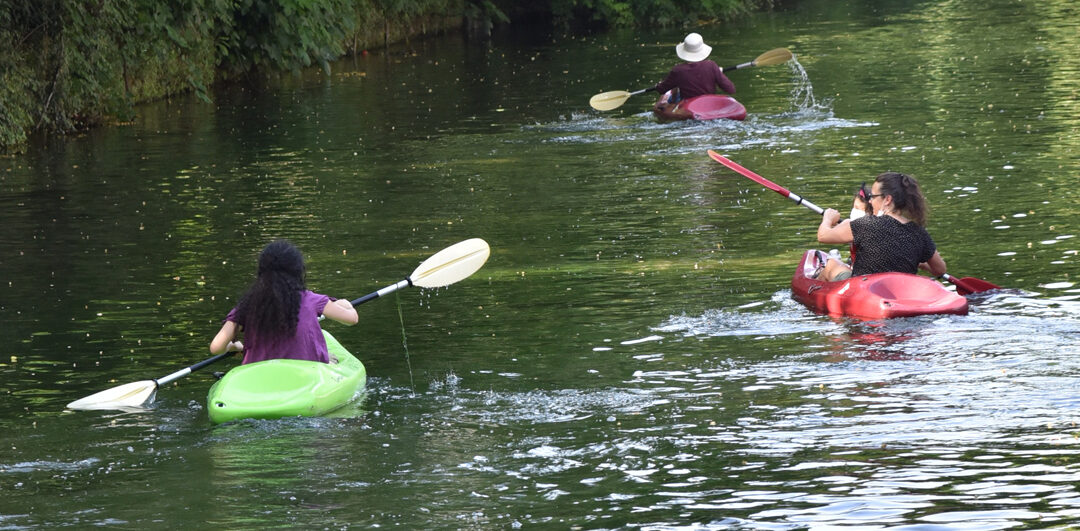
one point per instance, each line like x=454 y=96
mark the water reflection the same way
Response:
x=862 y=441
x=781 y=315
x=785 y=130
x=630 y=357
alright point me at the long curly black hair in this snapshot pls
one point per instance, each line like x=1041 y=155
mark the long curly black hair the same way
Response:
x=271 y=305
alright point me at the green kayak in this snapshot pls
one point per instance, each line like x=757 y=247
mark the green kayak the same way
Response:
x=287 y=388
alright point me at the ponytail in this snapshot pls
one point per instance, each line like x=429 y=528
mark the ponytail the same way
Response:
x=906 y=194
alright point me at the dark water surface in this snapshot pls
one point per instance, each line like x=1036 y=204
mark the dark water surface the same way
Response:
x=630 y=355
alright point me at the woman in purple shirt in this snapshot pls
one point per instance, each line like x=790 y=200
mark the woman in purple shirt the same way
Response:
x=278 y=315
x=696 y=77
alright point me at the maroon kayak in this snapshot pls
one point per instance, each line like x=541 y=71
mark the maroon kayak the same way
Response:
x=705 y=107
x=877 y=296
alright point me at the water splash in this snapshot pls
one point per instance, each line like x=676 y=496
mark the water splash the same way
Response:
x=802 y=92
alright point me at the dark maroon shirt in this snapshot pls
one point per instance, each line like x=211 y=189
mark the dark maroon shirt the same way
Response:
x=695 y=79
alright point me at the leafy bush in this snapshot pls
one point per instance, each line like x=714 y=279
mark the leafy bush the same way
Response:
x=628 y=13
x=69 y=64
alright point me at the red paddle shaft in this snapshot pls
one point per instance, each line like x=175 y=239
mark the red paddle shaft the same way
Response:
x=964 y=286
x=765 y=182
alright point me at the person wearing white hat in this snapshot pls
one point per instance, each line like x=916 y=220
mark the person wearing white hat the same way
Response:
x=697 y=76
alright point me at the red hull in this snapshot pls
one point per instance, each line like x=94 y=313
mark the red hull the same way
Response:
x=877 y=296
x=706 y=107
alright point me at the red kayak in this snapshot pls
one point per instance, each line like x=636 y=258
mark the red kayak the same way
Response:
x=877 y=296
x=705 y=107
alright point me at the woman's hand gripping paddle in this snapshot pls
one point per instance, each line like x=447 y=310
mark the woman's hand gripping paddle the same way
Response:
x=445 y=267
x=964 y=286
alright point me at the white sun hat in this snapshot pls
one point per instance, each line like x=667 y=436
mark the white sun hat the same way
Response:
x=693 y=48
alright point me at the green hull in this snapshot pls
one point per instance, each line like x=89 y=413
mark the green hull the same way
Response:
x=287 y=388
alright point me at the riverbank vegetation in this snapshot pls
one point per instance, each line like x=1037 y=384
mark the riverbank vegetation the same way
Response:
x=66 y=65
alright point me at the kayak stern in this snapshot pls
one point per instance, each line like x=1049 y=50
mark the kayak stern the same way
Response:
x=287 y=388
x=705 y=107
x=877 y=296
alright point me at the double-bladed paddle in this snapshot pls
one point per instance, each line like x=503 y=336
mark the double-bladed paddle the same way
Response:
x=964 y=286
x=606 y=101
x=776 y=56
x=969 y=285
x=445 y=267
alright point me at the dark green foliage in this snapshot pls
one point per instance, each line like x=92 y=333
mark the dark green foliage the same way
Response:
x=627 y=13
x=285 y=34
x=68 y=64
x=16 y=76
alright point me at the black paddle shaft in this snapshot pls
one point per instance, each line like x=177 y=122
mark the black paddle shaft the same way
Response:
x=385 y=291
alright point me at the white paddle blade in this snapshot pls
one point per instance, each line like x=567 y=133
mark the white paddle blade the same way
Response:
x=452 y=264
x=132 y=395
x=606 y=101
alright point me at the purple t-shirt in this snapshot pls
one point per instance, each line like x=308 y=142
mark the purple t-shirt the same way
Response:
x=307 y=344
x=695 y=79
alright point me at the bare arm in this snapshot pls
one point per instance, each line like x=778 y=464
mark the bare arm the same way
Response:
x=936 y=265
x=832 y=230
x=341 y=311
x=223 y=341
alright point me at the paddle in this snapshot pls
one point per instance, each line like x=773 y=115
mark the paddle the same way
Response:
x=765 y=182
x=445 y=267
x=969 y=285
x=606 y=101
x=137 y=394
x=964 y=286
x=772 y=57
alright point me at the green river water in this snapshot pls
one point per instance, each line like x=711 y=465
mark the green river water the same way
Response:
x=630 y=356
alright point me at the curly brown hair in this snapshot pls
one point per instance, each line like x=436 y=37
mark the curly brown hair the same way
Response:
x=907 y=195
